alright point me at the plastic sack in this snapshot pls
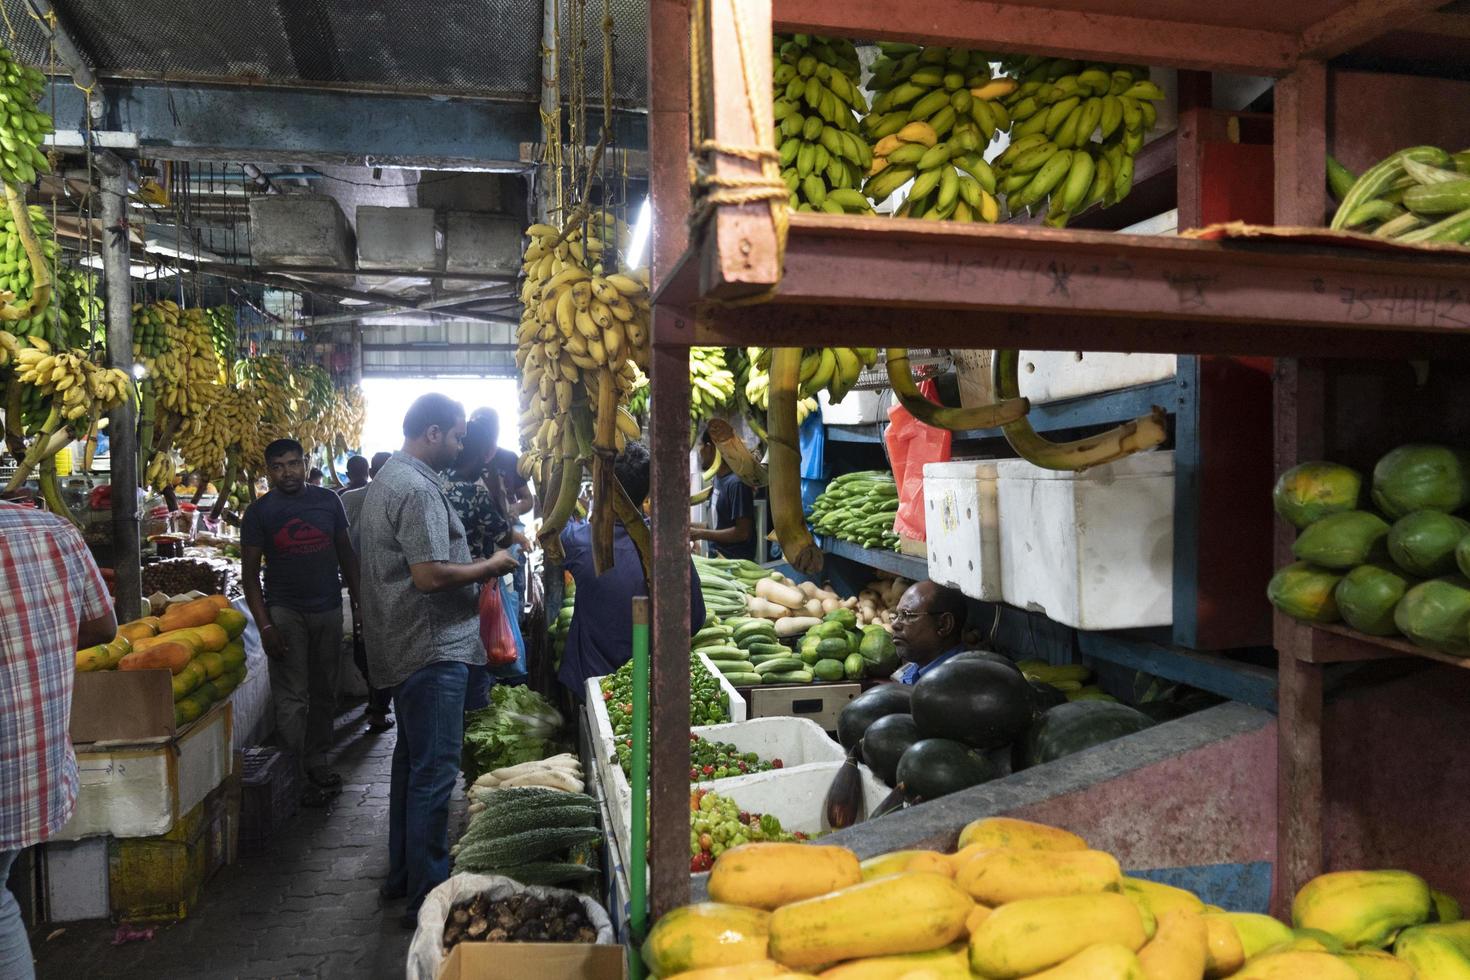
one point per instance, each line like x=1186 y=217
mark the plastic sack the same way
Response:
x=495 y=634
x=911 y=444
x=426 y=953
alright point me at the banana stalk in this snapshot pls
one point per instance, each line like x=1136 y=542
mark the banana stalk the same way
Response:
x=785 y=469
x=604 y=481
x=40 y=272
x=49 y=440
x=568 y=482
x=91 y=448
x=901 y=378
x=232 y=472
x=1123 y=440
x=15 y=437
x=632 y=519
x=51 y=491
x=735 y=452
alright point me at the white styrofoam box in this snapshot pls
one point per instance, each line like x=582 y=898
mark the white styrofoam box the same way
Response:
x=795 y=741
x=484 y=244
x=397 y=238
x=858 y=408
x=76 y=880
x=301 y=229
x=1092 y=550
x=142 y=790
x=963 y=517
x=1048 y=376
x=739 y=711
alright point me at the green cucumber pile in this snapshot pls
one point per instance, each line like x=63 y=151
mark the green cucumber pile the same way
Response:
x=859 y=507
x=747 y=651
x=1417 y=195
x=726 y=583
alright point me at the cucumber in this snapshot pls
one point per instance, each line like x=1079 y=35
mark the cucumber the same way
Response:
x=759 y=658
x=767 y=647
x=779 y=664
x=725 y=653
x=755 y=628
x=1443 y=198
x=747 y=679
x=1454 y=229
x=711 y=636
x=1339 y=178
x=787 y=677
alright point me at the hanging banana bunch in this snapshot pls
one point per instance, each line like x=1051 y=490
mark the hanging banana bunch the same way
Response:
x=711 y=382
x=1057 y=109
x=1130 y=437
x=901 y=379
x=934 y=115
x=823 y=153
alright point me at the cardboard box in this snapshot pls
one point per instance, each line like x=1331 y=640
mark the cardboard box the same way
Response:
x=544 y=961
x=122 y=706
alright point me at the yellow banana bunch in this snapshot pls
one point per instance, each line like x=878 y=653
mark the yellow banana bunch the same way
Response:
x=267 y=383
x=160 y=472
x=79 y=389
x=576 y=321
x=22 y=125
x=1057 y=109
x=823 y=152
x=9 y=344
x=835 y=369
x=711 y=382
x=936 y=113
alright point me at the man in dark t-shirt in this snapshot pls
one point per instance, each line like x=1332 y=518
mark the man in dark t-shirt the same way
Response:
x=734 y=532
x=301 y=532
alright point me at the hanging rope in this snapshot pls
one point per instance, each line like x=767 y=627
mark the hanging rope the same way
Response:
x=715 y=189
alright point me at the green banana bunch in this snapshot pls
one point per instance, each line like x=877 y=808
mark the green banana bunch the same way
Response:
x=711 y=382
x=1057 y=109
x=933 y=117
x=222 y=332
x=22 y=125
x=16 y=275
x=757 y=387
x=823 y=153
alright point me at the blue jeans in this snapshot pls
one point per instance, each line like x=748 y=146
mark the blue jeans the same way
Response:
x=430 y=707
x=477 y=688
x=15 y=948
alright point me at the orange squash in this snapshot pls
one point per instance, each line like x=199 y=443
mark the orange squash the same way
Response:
x=196 y=612
x=173 y=656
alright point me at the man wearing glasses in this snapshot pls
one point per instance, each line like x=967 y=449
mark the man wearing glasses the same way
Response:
x=926 y=628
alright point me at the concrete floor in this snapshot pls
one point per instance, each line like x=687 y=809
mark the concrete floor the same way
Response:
x=306 y=907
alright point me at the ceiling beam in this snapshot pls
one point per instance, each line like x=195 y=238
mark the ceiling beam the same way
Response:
x=1360 y=22
x=182 y=121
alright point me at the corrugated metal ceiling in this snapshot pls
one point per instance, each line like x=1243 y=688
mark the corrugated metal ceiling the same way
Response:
x=478 y=48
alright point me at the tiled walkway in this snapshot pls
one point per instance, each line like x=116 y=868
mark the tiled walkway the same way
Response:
x=307 y=907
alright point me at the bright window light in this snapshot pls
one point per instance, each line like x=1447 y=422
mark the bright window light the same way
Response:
x=641 y=230
x=387 y=400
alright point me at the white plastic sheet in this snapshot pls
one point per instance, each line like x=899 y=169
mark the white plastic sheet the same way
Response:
x=426 y=954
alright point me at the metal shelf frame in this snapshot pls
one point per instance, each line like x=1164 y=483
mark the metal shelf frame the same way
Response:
x=858 y=281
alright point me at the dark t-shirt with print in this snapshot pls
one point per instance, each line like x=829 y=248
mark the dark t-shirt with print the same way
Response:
x=734 y=499
x=297 y=534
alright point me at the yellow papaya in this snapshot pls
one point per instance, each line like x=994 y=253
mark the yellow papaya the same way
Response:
x=1362 y=908
x=93 y=659
x=1296 y=965
x=1105 y=961
x=1446 y=907
x=1179 y=948
x=931 y=861
x=888 y=864
x=1034 y=934
x=999 y=877
x=909 y=912
x=977 y=915
x=754 y=970
x=1438 y=952
x=1257 y=932
x=965 y=855
x=232 y=621
x=706 y=934
x=1161 y=898
x=212 y=638
x=1010 y=832
x=1374 y=964
x=769 y=875
x=1224 y=953
x=1315 y=941
x=950 y=963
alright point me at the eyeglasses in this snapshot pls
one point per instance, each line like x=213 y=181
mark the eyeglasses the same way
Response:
x=904 y=618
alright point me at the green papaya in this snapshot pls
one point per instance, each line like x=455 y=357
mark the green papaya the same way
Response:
x=1368 y=595
x=1311 y=491
x=854 y=667
x=1421 y=477
x=1305 y=591
x=1423 y=543
x=1436 y=614
x=1342 y=541
x=828 y=670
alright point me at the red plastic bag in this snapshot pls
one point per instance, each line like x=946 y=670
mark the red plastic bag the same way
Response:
x=495 y=634
x=911 y=444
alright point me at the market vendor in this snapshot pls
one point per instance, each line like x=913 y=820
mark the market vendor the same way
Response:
x=927 y=626
x=600 y=639
x=733 y=535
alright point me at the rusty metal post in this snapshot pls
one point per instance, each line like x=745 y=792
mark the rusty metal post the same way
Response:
x=122 y=425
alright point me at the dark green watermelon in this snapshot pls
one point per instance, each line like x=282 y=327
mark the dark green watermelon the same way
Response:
x=1047 y=696
x=935 y=767
x=1075 y=726
x=868 y=707
x=978 y=702
x=990 y=656
x=885 y=742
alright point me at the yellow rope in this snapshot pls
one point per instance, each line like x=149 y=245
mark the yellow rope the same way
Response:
x=715 y=189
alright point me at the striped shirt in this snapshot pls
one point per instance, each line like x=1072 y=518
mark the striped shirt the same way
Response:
x=51 y=585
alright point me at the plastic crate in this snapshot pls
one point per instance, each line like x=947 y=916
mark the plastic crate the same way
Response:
x=270 y=794
x=963 y=520
x=158 y=879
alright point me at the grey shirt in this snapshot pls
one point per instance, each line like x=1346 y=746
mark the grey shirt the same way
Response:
x=405 y=520
x=352 y=504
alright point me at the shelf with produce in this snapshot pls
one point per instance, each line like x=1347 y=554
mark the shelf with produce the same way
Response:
x=906 y=566
x=1333 y=644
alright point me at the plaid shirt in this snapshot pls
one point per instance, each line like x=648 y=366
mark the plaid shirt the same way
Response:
x=50 y=585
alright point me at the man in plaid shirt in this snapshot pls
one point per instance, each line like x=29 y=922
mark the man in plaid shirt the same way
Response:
x=55 y=604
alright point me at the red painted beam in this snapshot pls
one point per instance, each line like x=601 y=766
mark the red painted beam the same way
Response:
x=1359 y=22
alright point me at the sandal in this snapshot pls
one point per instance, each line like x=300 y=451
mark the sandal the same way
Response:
x=324 y=778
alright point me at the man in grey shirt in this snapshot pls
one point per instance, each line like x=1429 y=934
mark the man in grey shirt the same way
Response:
x=420 y=612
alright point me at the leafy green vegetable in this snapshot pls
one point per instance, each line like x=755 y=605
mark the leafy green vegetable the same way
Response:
x=518 y=726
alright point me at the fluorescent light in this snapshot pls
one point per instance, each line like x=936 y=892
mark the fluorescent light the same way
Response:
x=641 y=231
